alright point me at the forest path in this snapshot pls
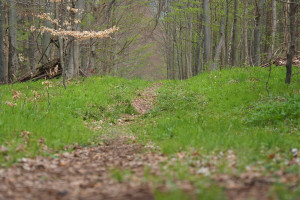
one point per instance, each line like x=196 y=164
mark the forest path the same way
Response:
x=145 y=101
x=119 y=168
x=112 y=170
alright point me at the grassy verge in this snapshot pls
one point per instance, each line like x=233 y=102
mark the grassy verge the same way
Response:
x=41 y=118
x=229 y=112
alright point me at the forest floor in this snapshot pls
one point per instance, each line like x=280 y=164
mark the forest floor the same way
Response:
x=148 y=149
x=89 y=173
x=112 y=170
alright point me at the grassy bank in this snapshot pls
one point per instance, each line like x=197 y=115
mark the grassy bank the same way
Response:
x=37 y=117
x=227 y=110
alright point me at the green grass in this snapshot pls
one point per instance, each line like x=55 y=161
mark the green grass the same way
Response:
x=61 y=122
x=212 y=113
x=227 y=110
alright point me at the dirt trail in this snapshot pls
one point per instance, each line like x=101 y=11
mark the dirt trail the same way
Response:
x=145 y=101
x=115 y=170
x=86 y=173
x=90 y=173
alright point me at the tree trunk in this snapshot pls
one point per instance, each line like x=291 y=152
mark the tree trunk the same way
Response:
x=13 y=61
x=32 y=44
x=286 y=27
x=246 y=47
x=274 y=29
x=61 y=43
x=74 y=52
x=226 y=57
x=70 y=68
x=234 y=50
x=207 y=31
x=3 y=66
x=291 y=52
x=268 y=30
x=46 y=47
x=257 y=37
x=92 y=59
x=190 y=49
x=221 y=42
x=198 y=51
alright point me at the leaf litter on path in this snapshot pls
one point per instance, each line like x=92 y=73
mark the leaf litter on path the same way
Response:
x=86 y=172
x=115 y=169
x=81 y=174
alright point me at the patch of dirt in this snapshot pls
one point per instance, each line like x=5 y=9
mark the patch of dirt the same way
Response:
x=142 y=104
x=245 y=187
x=86 y=173
x=146 y=99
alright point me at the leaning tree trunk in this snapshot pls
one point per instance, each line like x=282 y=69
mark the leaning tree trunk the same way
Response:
x=13 y=62
x=3 y=66
x=291 y=52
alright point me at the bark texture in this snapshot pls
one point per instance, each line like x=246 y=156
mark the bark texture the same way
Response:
x=291 y=52
x=3 y=66
x=207 y=30
x=257 y=35
x=13 y=61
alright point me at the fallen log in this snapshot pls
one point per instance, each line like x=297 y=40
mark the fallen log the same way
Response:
x=48 y=70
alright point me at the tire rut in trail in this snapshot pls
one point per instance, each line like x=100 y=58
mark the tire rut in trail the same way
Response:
x=89 y=173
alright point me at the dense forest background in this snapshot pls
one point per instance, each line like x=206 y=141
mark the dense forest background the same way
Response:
x=154 y=39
